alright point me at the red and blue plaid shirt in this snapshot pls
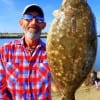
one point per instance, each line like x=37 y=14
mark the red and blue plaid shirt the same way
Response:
x=24 y=76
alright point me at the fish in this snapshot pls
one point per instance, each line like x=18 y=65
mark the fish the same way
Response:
x=71 y=46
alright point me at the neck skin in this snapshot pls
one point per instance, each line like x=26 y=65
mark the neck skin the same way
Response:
x=31 y=43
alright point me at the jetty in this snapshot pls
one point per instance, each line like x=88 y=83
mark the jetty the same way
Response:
x=17 y=35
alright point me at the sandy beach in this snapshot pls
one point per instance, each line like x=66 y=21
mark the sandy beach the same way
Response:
x=89 y=92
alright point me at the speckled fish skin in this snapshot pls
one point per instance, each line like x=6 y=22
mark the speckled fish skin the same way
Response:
x=72 y=45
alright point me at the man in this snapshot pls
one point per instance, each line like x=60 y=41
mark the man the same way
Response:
x=24 y=70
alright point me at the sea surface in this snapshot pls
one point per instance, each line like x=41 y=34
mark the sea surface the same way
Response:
x=97 y=61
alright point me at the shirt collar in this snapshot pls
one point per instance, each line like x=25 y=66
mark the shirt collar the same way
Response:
x=21 y=42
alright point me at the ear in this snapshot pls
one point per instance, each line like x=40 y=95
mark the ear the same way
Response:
x=43 y=25
x=21 y=22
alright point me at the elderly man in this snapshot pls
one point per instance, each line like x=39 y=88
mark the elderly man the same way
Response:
x=24 y=70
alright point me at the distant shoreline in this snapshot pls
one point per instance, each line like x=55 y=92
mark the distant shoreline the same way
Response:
x=17 y=35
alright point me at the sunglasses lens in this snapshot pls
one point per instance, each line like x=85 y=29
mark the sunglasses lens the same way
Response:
x=27 y=17
x=30 y=17
x=40 y=19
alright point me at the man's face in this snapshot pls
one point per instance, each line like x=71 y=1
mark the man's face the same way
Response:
x=31 y=25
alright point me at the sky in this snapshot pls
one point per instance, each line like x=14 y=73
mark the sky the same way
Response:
x=11 y=12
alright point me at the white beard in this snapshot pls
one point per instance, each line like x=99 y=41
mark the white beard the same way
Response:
x=32 y=36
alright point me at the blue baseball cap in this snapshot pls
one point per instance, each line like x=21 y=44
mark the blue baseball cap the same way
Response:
x=33 y=7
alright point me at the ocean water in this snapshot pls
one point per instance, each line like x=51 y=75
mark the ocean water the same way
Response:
x=97 y=61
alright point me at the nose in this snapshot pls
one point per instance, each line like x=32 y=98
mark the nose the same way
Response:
x=33 y=21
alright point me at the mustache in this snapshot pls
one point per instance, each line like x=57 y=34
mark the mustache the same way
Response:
x=34 y=26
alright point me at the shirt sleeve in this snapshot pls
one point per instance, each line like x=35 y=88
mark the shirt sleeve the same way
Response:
x=4 y=93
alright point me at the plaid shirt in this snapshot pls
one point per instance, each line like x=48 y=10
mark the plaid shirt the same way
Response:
x=22 y=76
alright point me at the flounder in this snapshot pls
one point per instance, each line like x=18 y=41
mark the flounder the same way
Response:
x=72 y=45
